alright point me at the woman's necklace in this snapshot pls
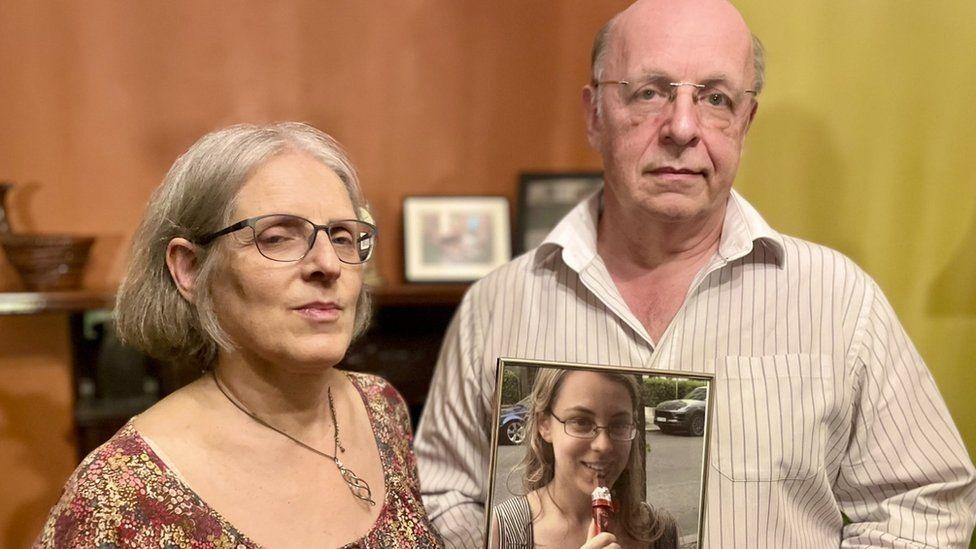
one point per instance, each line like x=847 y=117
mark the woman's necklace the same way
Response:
x=358 y=486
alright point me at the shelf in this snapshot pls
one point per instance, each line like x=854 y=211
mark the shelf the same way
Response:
x=30 y=303
x=419 y=294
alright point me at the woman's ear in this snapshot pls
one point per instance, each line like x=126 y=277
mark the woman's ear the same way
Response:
x=545 y=427
x=181 y=259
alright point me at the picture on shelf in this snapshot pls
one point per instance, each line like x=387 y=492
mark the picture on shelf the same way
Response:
x=454 y=239
x=544 y=198
x=575 y=428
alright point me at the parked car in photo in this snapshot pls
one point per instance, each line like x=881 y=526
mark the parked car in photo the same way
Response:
x=686 y=414
x=512 y=422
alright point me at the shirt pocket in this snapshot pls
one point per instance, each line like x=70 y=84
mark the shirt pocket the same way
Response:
x=769 y=416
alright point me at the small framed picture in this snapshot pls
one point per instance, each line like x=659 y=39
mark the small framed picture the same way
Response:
x=544 y=198
x=636 y=439
x=456 y=238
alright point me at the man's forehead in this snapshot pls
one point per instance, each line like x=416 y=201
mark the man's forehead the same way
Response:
x=702 y=36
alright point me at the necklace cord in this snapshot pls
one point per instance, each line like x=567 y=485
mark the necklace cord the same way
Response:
x=358 y=486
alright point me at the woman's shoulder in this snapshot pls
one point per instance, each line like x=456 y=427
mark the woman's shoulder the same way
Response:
x=666 y=528
x=123 y=494
x=515 y=506
x=107 y=484
x=513 y=519
x=125 y=454
x=377 y=390
x=369 y=382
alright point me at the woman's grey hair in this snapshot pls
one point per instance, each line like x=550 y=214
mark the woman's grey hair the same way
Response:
x=602 y=41
x=198 y=197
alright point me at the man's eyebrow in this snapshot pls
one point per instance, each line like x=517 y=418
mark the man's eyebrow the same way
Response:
x=717 y=79
x=653 y=76
x=661 y=76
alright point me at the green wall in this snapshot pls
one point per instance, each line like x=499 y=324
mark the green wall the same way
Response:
x=865 y=141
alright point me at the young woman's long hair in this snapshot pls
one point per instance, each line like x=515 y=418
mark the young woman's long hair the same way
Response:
x=639 y=520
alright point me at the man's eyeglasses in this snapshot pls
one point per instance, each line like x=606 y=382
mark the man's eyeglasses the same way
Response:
x=717 y=105
x=579 y=427
x=283 y=237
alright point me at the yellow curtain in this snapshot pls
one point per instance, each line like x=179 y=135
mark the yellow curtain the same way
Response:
x=865 y=141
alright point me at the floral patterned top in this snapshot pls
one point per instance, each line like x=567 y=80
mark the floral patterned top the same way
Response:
x=124 y=495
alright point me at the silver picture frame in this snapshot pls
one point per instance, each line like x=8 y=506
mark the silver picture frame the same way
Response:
x=675 y=450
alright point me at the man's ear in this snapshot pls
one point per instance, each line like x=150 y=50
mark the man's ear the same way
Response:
x=183 y=264
x=588 y=100
x=545 y=428
x=752 y=115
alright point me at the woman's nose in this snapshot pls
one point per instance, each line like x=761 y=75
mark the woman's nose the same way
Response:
x=602 y=442
x=322 y=257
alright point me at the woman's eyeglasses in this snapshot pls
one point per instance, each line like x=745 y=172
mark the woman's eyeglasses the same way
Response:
x=283 y=237
x=579 y=427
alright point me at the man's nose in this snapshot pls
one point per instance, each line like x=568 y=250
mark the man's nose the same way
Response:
x=681 y=125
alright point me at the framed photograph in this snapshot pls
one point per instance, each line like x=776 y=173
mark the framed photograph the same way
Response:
x=456 y=238
x=575 y=429
x=544 y=198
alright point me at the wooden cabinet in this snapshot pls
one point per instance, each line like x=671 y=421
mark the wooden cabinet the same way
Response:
x=111 y=382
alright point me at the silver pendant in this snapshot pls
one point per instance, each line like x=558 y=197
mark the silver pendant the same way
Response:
x=357 y=486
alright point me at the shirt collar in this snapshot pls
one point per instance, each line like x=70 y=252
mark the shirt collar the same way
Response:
x=576 y=234
x=743 y=228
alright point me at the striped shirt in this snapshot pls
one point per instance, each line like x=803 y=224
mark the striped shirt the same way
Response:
x=823 y=408
x=514 y=518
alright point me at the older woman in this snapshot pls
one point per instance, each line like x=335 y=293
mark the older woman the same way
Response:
x=249 y=265
x=581 y=427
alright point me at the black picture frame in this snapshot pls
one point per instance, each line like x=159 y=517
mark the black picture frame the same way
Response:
x=544 y=198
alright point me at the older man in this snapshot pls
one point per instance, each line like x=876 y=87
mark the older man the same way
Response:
x=823 y=408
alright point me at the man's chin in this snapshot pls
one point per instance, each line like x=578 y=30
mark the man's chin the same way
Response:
x=673 y=208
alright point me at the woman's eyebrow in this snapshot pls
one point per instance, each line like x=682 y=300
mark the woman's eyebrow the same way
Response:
x=583 y=409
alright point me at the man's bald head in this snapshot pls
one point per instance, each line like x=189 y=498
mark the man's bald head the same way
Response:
x=664 y=14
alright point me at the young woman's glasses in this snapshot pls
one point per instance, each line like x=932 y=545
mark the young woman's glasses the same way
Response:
x=580 y=427
x=283 y=237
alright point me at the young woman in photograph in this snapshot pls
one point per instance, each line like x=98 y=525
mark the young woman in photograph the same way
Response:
x=582 y=429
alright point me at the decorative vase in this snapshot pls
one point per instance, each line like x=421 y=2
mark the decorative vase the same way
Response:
x=45 y=262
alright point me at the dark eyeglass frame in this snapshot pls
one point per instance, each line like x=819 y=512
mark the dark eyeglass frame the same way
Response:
x=328 y=228
x=596 y=430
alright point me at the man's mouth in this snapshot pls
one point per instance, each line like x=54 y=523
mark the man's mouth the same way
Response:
x=669 y=170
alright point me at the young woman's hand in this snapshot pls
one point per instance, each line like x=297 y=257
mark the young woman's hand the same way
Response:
x=605 y=540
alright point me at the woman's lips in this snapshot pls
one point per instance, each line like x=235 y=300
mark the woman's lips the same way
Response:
x=600 y=468
x=320 y=312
